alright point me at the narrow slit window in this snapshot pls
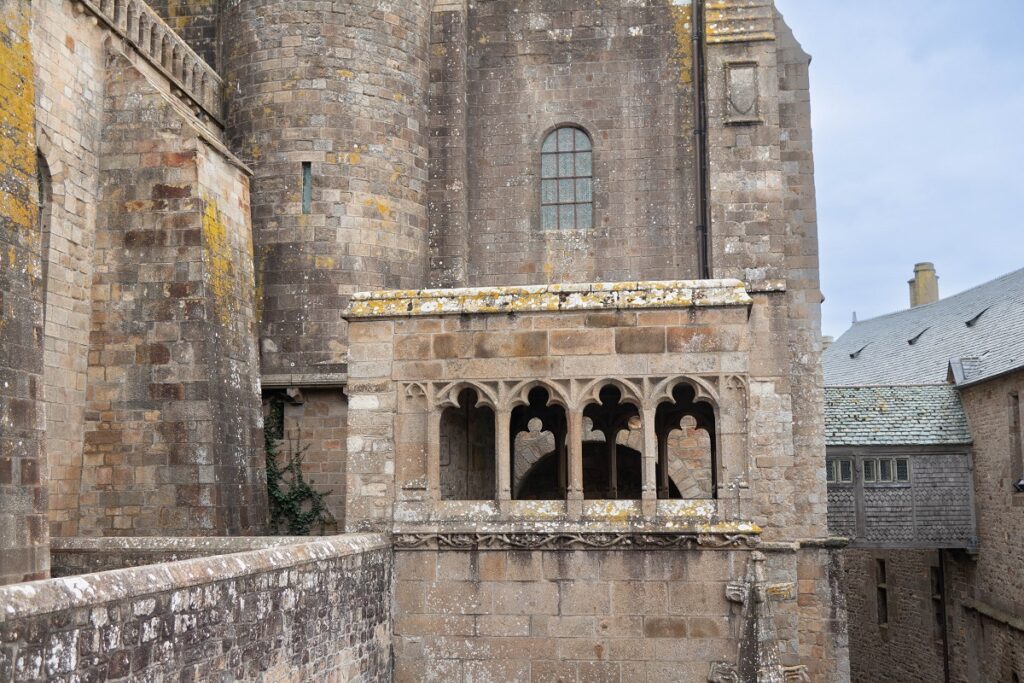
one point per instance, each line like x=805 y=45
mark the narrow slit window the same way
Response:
x=307 y=187
x=567 y=177
x=882 y=592
x=1016 y=442
x=845 y=471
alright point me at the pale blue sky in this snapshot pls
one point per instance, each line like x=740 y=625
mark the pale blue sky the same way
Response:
x=919 y=144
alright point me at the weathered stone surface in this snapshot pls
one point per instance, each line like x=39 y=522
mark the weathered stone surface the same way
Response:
x=283 y=613
x=23 y=531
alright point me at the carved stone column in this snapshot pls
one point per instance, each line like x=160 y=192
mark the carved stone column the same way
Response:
x=503 y=467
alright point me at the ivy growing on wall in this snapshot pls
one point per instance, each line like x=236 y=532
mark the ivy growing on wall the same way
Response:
x=296 y=507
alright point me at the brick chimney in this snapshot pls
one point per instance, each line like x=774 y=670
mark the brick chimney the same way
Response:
x=924 y=288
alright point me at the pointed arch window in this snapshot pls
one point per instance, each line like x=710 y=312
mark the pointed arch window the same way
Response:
x=567 y=180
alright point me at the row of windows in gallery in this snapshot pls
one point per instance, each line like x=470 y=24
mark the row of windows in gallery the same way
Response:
x=873 y=470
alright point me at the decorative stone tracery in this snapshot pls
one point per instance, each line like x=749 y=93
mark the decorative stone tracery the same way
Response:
x=637 y=413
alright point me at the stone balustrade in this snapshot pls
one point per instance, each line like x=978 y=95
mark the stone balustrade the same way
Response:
x=191 y=78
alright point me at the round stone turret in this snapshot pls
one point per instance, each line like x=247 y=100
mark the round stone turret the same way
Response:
x=328 y=104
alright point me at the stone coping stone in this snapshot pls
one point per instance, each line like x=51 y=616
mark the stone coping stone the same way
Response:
x=549 y=298
x=206 y=545
x=23 y=600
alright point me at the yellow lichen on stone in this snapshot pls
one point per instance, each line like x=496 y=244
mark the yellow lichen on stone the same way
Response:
x=546 y=298
x=682 y=27
x=17 y=121
x=219 y=264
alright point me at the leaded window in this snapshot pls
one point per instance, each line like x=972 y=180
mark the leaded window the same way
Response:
x=567 y=177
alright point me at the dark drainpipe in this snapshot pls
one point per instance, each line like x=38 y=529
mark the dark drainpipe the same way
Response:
x=700 y=135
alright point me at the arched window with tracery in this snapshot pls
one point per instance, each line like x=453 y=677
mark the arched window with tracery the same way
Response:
x=567 y=180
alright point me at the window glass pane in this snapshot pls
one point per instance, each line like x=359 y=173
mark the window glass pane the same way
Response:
x=565 y=169
x=885 y=470
x=549 y=217
x=830 y=471
x=584 y=216
x=566 y=191
x=846 y=471
x=869 y=470
x=549 y=165
x=902 y=469
x=551 y=143
x=584 y=164
x=583 y=192
x=549 y=191
x=582 y=141
x=566 y=218
x=565 y=136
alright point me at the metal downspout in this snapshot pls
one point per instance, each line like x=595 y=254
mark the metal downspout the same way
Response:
x=700 y=135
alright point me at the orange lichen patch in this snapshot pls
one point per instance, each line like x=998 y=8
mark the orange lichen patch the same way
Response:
x=682 y=28
x=17 y=121
x=219 y=264
x=380 y=205
x=353 y=158
x=346 y=74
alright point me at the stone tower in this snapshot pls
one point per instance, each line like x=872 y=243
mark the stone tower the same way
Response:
x=328 y=106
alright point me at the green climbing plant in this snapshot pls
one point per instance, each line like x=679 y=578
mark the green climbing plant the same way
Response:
x=295 y=506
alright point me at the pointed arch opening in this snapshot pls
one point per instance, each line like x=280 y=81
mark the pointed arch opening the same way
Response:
x=538 y=450
x=612 y=447
x=687 y=446
x=468 y=449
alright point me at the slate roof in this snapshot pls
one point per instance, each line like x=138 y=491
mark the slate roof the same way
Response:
x=895 y=416
x=879 y=351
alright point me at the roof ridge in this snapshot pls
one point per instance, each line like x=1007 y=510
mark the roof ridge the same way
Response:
x=888 y=386
x=951 y=297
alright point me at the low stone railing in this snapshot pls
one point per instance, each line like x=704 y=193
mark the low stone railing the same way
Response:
x=192 y=79
x=309 y=609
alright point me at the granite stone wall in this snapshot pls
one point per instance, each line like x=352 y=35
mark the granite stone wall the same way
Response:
x=908 y=646
x=612 y=616
x=340 y=86
x=987 y=592
x=503 y=75
x=173 y=426
x=317 y=426
x=197 y=21
x=317 y=610
x=23 y=529
x=68 y=122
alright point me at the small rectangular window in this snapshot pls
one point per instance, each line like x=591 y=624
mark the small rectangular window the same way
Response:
x=885 y=470
x=846 y=471
x=307 y=187
x=830 y=471
x=902 y=469
x=870 y=475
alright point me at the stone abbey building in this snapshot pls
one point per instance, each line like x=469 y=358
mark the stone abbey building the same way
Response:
x=535 y=282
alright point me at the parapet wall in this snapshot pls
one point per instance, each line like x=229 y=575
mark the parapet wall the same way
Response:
x=315 y=610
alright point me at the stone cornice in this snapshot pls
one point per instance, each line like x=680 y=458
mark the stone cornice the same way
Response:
x=564 y=540
x=550 y=298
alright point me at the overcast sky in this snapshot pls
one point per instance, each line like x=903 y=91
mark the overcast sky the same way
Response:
x=919 y=144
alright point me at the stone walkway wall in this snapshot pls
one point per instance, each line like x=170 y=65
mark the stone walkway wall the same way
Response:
x=317 y=610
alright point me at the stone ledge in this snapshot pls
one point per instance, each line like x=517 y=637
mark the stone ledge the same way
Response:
x=549 y=298
x=567 y=539
x=53 y=595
